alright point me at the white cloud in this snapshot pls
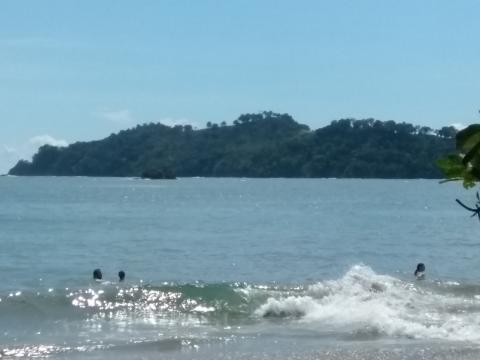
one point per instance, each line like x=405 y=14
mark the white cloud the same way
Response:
x=177 y=121
x=40 y=140
x=8 y=150
x=123 y=117
x=34 y=42
x=458 y=126
x=9 y=155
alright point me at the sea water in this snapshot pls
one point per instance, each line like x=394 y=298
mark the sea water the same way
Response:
x=237 y=269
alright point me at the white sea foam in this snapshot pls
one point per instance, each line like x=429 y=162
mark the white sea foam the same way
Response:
x=203 y=309
x=362 y=299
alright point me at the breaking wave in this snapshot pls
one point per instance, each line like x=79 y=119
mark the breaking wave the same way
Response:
x=364 y=302
x=360 y=305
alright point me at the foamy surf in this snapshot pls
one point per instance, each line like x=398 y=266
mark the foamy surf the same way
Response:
x=359 y=307
x=365 y=302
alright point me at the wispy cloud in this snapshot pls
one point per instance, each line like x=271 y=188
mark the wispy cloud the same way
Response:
x=8 y=150
x=8 y=158
x=40 y=140
x=125 y=117
x=122 y=117
x=32 y=42
x=458 y=126
x=170 y=121
x=10 y=154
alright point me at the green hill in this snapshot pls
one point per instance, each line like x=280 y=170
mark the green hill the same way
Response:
x=256 y=145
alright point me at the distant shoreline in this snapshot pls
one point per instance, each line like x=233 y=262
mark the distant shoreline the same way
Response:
x=214 y=177
x=264 y=145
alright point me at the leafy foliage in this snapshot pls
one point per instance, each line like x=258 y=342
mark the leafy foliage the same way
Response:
x=465 y=164
x=264 y=144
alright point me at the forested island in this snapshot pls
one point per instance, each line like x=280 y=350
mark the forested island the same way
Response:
x=264 y=144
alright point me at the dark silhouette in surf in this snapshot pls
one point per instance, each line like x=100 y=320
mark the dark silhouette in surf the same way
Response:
x=97 y=274
x=121 y=275
x=420 y=271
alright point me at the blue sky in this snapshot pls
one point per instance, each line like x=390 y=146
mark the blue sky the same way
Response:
x=80 y=70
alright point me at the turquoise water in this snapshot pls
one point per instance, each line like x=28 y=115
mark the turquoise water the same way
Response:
x=238 y=268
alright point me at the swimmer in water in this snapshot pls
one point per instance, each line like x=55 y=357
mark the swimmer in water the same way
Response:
x=121 y=275
x=97 y=274
x=420 y=272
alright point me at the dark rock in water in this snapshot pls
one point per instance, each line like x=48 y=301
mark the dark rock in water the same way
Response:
x=155 y=174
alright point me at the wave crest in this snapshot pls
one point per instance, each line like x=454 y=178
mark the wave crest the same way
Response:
x=363 y=302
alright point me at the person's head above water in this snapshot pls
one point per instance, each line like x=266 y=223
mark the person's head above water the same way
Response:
x=420 y=271
x=421 y=267
x=97 y=274
x=121 y=275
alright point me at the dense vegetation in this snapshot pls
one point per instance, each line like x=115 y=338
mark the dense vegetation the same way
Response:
x=464 y=165
x=256 y=145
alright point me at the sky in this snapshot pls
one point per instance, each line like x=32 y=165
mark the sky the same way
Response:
x=81 y=70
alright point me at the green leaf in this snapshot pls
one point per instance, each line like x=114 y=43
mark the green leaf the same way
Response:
x=472 y=154
x=454 y=169
x=452 y=166
x=468 y=138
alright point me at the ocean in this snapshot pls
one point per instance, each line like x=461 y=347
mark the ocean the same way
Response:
x=237 y=269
